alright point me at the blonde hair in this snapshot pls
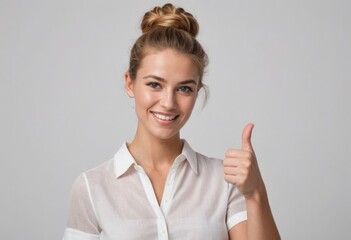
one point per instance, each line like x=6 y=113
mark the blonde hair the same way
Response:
x=168 y=27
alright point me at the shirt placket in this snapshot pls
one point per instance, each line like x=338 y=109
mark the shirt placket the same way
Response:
x=161 y=212
x=168 y=191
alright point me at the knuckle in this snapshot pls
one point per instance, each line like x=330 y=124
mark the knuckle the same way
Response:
x=230 y=152
x=227 y=161
x=246 y=163
x=248 y=155
x=227 y=179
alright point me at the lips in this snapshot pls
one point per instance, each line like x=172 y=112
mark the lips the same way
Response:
x=165 y=117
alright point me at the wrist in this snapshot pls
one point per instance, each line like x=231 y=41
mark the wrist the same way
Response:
x=258 y=197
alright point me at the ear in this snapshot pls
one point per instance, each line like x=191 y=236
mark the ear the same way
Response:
x=129 y=85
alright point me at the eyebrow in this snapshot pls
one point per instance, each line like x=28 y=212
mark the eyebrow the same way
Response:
x=190 y=81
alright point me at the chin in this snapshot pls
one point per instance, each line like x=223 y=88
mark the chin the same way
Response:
x=165 y=135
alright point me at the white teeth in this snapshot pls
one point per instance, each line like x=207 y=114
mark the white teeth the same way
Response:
x=163 y=117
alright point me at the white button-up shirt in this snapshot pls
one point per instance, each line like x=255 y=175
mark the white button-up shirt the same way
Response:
x=116 y=200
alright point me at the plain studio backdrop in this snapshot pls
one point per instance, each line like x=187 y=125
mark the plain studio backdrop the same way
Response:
x=283 y=65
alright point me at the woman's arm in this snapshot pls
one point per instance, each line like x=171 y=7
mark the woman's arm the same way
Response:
x=82 y=221
x=260 y=224
x=241 y=169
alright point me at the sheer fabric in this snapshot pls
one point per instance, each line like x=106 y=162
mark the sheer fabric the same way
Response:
x=116 y=201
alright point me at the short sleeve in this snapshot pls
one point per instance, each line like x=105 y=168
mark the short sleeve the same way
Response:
x=82 y=222
x=236 y=210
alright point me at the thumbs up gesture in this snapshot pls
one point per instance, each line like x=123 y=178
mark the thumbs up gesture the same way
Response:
x=241 y=168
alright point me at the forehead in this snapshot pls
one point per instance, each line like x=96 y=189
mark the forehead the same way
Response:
x=168 y=64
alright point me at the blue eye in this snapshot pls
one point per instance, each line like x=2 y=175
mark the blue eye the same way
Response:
x=153 y=85
x=186 y=89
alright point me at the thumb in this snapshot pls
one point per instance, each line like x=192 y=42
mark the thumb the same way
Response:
x=246 y=137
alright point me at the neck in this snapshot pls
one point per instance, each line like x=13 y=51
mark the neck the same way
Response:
x=155 y=153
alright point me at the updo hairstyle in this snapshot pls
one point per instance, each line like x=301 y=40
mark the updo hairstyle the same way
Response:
x=168 y=27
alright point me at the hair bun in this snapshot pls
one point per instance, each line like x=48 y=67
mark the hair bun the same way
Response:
x=171 y=17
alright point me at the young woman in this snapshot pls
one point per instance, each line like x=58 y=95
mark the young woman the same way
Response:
x=157 y=186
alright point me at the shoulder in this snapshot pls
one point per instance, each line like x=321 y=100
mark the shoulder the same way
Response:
x=210 y=166
x=93 y=176
x=209 y=161
x=102 y=170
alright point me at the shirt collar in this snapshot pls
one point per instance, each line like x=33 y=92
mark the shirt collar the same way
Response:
x=123 y=159
x=190 y=155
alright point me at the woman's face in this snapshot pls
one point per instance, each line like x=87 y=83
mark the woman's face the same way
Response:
x=165 y=92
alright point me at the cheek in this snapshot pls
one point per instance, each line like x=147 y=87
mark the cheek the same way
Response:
x=188 y=104
x=144 y=99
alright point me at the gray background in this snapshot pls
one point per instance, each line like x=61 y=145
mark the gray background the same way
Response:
x=283 y=65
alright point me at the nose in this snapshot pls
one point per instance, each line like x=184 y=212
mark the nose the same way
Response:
x=168 y=100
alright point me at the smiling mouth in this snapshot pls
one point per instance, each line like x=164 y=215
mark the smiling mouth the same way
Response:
x=165 y=117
